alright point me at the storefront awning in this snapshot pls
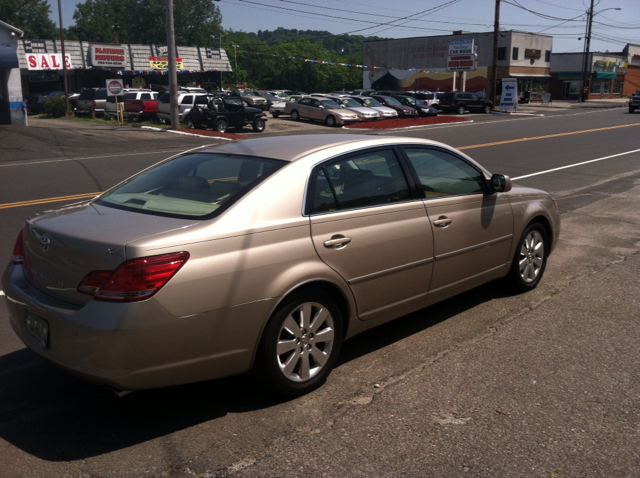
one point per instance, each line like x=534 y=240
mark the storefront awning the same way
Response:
x=608 y=75
x=529 y=75
x=8 y=58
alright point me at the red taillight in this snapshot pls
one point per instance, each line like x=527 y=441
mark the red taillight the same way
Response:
x=133 y=280
x=18 y=251
x=93 y=103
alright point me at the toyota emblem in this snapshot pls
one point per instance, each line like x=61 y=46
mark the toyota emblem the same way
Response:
x=45 y=242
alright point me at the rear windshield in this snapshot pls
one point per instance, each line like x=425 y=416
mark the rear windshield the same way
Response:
x=101 y=94
x=86 y=94
x=195 y=185
x=130 y=96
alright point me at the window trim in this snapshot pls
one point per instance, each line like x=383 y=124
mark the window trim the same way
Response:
x=307 y=206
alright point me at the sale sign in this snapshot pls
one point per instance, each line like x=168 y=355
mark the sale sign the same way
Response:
x=114 y=87
x=47 y=61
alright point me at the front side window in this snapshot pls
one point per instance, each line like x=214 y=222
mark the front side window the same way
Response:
x=443 y=174
x=366 y=179
x=191 y=186
x=186 y=100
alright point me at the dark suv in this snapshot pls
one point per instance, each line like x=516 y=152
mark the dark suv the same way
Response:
x=461 y=101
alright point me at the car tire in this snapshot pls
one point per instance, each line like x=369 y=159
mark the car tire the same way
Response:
x=631 y=109
x=487 y=109
x=330 y=120
x=295 y=116
x=291 y=361
x=259 y=125
x=275 y=115
x=530 y=259
x=460 y=110
x=221 y=126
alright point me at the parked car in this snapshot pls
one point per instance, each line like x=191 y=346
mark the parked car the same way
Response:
x=320 y=109
x=370 y=102
x=225 y=111
x=251 y=99
x=110 y=104
x=91 y=99
x=266 y=254
x=391 y=102
x=277 y=108
x=422 y=108
x=634 y=102
x=186 y=101
x=35 y=102
x=364 y=113
x=462 y=101
x=140 y=104
x=271 y=99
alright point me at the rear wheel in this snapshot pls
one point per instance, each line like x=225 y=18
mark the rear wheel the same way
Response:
x=275 y=115
x=331 y=120
x=295 y=116
x=221 y=126
x=530 y=259
x=487 y=109
x=460 y=110
x=258 y=125
x=300 y=344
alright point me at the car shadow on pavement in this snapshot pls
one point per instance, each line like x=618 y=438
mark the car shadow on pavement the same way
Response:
x=57 y=417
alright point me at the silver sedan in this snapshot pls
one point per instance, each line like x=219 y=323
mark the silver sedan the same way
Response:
x=266 y=254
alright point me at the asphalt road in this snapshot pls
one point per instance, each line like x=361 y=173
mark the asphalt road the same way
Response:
x=543 y=384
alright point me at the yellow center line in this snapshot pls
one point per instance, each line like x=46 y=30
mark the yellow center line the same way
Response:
x=547 y=136
x=48 y=200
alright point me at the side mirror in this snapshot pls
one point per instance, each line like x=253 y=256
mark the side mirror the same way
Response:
x=500 y=183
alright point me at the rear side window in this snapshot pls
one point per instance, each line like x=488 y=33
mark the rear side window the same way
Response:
x=198 y=185
x=130 y=96
x=101 y=94
x=164 y=98
x=443 y=174
x=187 y=100
x=86 y=94
x=366 y=179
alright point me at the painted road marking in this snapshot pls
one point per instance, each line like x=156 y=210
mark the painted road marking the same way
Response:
x=48 y=200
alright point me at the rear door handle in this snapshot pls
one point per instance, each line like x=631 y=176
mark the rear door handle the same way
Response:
x=442 y=221
x=337 y=241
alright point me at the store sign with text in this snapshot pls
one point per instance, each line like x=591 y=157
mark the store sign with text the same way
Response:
x=162 y=63
x=35 y=46
x=509 y=97
x=46 y=61
x=461 y=47
x=108 y=56
x=462 y=63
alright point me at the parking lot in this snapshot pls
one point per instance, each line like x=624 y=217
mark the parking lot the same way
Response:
x=543 y=384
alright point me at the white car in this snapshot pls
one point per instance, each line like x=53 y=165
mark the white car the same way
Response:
x=277 y=108
x=385 y=111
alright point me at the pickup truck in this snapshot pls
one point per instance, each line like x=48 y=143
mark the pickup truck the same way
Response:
x=634 y=102
x=226 y=111
x=141 y=104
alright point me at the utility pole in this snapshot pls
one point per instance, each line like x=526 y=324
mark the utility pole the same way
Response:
x=585 y=73
x=173 y=77
x=494 y=62
x=64 y=65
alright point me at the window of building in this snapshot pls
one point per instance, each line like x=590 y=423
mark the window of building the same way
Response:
x=606 y=87
x=502 y=53
x=617 y=86
x=596 y=86
x=514 y=55
x=547 y=56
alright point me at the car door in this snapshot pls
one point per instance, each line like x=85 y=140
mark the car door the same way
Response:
x=366 y=225
x=472 y=228
x=304 y=108
x=474 y=102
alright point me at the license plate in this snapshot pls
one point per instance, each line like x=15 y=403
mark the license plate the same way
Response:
x=38 y=329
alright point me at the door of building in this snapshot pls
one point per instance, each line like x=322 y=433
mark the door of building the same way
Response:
x=566 y=90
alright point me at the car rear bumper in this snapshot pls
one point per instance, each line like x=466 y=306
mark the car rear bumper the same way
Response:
x=137 y=345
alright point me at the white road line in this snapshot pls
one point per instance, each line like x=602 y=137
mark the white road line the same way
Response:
x=576 y=164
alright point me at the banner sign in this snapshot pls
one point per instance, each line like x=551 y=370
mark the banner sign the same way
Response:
x=108 y=56
x=43 y=75
x=46 y=61
x=509 y=97
x=162 y=63
x=114 y=87
x=162 y=50
x=212 y=52
x=460 y=47
x=35 y=46
x=462 y=63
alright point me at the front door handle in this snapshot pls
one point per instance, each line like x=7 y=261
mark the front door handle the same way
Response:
x=442 y=221
x=337 y=241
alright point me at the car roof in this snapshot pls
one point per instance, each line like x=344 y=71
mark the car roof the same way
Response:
x=293 y=147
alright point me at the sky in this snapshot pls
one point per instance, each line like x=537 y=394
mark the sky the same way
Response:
x=566 y=22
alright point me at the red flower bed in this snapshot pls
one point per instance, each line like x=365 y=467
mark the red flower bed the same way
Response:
x=215 y=134
x=406 y=122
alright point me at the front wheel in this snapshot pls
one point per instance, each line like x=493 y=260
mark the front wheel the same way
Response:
x=460 y=110
x=295 y=116
x=221 y=126
x=258 y=125
x=631 y=109
x=487 y=109
x=331 y=120
x=300 y=344
x=530 y=259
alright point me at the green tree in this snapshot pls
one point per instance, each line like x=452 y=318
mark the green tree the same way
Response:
x=143 y=21
x=30 y=16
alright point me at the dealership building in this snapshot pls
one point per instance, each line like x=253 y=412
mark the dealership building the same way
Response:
x=423 y=63
x=90 y=64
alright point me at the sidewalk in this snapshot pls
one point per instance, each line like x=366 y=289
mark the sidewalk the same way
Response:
x=565 y=104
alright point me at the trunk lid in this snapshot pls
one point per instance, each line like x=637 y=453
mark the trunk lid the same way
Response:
x=61 y=247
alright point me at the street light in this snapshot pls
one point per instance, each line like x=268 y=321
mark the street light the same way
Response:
x=585 y=72
x=235 y=55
